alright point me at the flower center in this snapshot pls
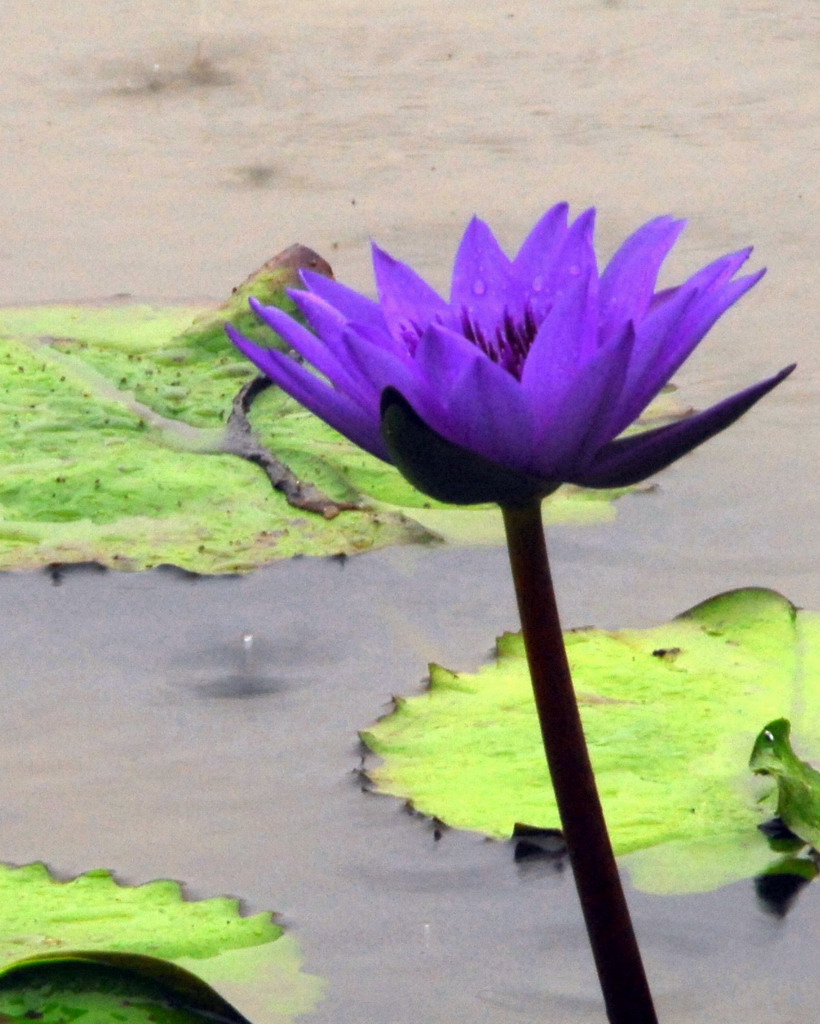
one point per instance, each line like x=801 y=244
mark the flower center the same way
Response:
x=508 y=344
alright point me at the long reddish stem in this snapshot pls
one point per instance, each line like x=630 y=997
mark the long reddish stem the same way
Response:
x=611 y=935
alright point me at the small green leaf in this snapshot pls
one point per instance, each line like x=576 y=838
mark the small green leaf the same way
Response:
x=670 y=715
x=101 y=988
x=798 y=783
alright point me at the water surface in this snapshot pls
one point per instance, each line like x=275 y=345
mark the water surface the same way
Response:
x=165 y=150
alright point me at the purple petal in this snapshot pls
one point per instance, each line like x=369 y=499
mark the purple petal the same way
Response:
x=576 y=258
x=329 y=325
x=383 y=369
x=565 y=339
x=628 y=283
x=579 y=425
x=679 y=327
x=483 y=285
x=487 y=413
x=533 y=266
x=351 y=304
x=323 y=315
x=327 y=353
x=443 y=355
x=666 y=315
x=667 y=318
x=605 y=377
x=338 y=410
x=407 y=301
x=628 y=461
x=462 y=395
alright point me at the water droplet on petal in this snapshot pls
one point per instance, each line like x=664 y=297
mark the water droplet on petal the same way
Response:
x=479 y=287
x=575 y=270
x=538 y=284
x=247 y=641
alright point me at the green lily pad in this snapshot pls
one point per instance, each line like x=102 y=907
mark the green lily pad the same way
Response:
x=114 y=448
x=111 y=453
x=248 y=959
x=670 y=715
x=100 y=988
x=93 y=911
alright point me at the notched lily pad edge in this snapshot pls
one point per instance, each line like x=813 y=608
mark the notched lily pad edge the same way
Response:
x=651 y=869
x=261 y=928
x=721 y=858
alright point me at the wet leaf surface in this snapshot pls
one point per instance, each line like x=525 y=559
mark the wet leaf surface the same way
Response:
x=670 y=714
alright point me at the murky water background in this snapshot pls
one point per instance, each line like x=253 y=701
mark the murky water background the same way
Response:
x=143 y=735
x=165 y=150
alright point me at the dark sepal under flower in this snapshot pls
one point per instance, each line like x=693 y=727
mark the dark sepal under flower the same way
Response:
x=536 y=364
x=446 y=471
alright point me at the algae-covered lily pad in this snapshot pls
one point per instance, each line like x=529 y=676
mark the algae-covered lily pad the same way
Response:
x=138 y=930
x=670 y=715
x=103 y=987
x=121 y=443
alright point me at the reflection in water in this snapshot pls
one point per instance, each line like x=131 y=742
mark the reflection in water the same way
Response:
x=778 y=888
x=144 y=79
x=534 y=843
x=57 y=571
x=254 y=176
x=247 y=682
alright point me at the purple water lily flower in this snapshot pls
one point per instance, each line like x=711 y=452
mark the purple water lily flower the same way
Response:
x=536 y=364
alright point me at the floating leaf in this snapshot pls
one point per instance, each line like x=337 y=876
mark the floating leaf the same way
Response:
x=670 y=714
x=93 y=911
x=247 y=958
x=103 y=987
x=115 y=447
x=115 y=452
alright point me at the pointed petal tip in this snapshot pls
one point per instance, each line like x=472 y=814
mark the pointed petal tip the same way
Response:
x=273 y=316
x=247 y=347
x=582 y=229
x=308 y=277
x=556 y=211
x=382 y=257
x=627 y=461
x=476 y=226
x=265 y=311
x=670 y=219
x=741 y=255
x=376 y=250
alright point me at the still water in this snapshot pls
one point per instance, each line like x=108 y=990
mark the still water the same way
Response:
x=165 y=150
